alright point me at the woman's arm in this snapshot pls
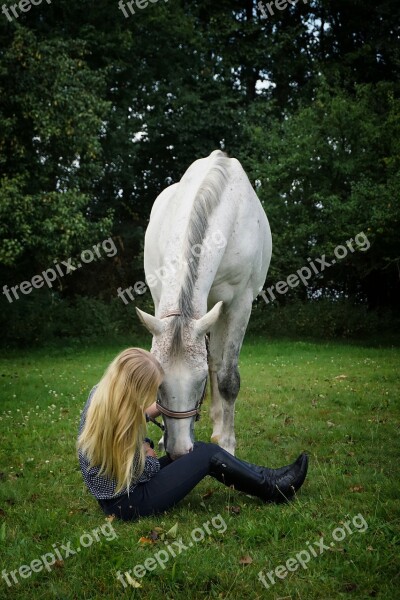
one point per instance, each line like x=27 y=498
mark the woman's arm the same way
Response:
x=152 y=411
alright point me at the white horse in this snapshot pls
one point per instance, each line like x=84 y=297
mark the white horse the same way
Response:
x=207 y=248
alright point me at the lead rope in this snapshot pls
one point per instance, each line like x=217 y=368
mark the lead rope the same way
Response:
x=160 y=425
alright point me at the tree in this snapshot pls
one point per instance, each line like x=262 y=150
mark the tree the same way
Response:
x=329 y=172
x=50 y=153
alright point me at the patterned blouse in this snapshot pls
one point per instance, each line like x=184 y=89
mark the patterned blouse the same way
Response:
x=102 y=487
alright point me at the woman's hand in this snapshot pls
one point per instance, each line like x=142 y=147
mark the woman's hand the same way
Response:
x=149 y=451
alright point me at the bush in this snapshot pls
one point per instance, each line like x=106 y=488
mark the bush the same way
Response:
x=46 y=317
x=320 y=319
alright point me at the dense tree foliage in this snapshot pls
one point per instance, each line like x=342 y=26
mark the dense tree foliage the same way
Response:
x=99 y=112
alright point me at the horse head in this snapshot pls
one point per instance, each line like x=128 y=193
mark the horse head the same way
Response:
x=179 y=346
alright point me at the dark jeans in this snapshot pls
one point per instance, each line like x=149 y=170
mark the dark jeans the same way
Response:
x=172 y=483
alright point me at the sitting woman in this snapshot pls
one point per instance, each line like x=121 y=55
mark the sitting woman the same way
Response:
x=124 y=473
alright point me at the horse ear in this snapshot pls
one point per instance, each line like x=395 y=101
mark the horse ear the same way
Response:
x=154 y=325
x=203 y=325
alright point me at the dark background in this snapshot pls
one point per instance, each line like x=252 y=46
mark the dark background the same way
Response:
x=99 y=113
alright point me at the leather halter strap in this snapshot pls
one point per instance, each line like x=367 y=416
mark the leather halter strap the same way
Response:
x=184 y=414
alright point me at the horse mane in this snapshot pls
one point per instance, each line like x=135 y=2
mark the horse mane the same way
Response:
x=207 y=198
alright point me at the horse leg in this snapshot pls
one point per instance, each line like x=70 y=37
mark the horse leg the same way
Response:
x=229 y=385
x=216 y=400
x=225 y=343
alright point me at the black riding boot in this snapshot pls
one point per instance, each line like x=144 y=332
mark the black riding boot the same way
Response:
x=272 y=472
x=270 y=487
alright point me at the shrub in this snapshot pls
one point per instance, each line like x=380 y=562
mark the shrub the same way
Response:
x=320 y=319
x=46 y=317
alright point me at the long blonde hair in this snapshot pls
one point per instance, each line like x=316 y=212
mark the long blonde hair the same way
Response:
x=112 y=437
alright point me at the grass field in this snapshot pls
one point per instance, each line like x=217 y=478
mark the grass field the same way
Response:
x=339 y=402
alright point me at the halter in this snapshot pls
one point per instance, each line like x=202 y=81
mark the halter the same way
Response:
x=184 y=414
x=181 y=414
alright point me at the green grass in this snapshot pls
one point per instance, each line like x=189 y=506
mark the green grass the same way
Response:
x=292 y=399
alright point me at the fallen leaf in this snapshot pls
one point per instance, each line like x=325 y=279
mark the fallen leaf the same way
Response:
x=350 y=587
x=246 y=560
x=131 y=581
x=110 y=518
x=173 y=531
x=233 y=509
x=59 y=564
x=357 y=488
x=207 y=494
x=145 y=540
x=330 y=424
x=340 y=377
x=78 y=510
